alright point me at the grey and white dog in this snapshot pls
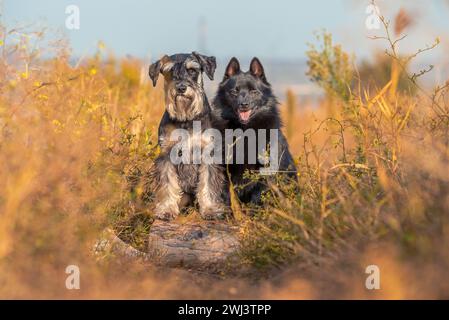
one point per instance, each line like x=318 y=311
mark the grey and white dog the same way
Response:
x=178 y=185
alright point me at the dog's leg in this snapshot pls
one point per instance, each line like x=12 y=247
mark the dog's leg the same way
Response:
x=168 y=192
x=210 y=192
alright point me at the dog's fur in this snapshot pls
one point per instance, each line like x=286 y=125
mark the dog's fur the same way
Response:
x=178 y=185
x=245 y=100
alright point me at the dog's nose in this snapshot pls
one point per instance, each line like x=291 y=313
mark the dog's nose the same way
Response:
x=244 y=105
x=181 y=88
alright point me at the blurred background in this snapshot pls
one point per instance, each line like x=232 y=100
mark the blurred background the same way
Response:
x=278 y=32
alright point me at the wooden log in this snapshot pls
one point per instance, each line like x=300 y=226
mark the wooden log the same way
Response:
x=194 y=245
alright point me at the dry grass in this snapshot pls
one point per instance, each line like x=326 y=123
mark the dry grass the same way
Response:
x=74 y=136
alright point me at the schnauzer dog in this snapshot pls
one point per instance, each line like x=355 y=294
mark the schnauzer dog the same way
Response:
x=177 y=185
x=245 y=100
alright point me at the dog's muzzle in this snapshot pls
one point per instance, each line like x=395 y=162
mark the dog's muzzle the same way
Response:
x=181 y=88
x=183 y=100
x=183 y=95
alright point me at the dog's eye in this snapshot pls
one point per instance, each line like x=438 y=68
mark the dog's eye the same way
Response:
x=192 y=72
x=254 y=92
x=235 y=91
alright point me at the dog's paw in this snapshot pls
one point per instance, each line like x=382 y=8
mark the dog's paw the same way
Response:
x=214 y=213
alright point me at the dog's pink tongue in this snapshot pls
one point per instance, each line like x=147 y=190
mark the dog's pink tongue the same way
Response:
x=244 y=115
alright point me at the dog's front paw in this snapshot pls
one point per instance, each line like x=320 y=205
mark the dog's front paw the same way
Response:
x=166 y=210
x=166 y=213
x=213 y=213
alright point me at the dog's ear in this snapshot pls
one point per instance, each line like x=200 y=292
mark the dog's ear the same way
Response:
x=208 y=64
x=156 y=68
x=256 y=69
x=233 y=68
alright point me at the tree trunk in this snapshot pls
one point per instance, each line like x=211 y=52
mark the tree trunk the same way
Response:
x=195 y=245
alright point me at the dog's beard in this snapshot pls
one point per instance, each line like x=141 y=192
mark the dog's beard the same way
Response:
x=183 y=101
x=186 y=106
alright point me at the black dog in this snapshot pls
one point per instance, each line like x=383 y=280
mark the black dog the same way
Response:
x=244 y=100
x=177 y=184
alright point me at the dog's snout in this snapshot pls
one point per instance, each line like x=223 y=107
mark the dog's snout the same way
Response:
x=181 y=88
x=244 y=102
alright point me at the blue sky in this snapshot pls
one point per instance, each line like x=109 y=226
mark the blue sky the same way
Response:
x=277 y=29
